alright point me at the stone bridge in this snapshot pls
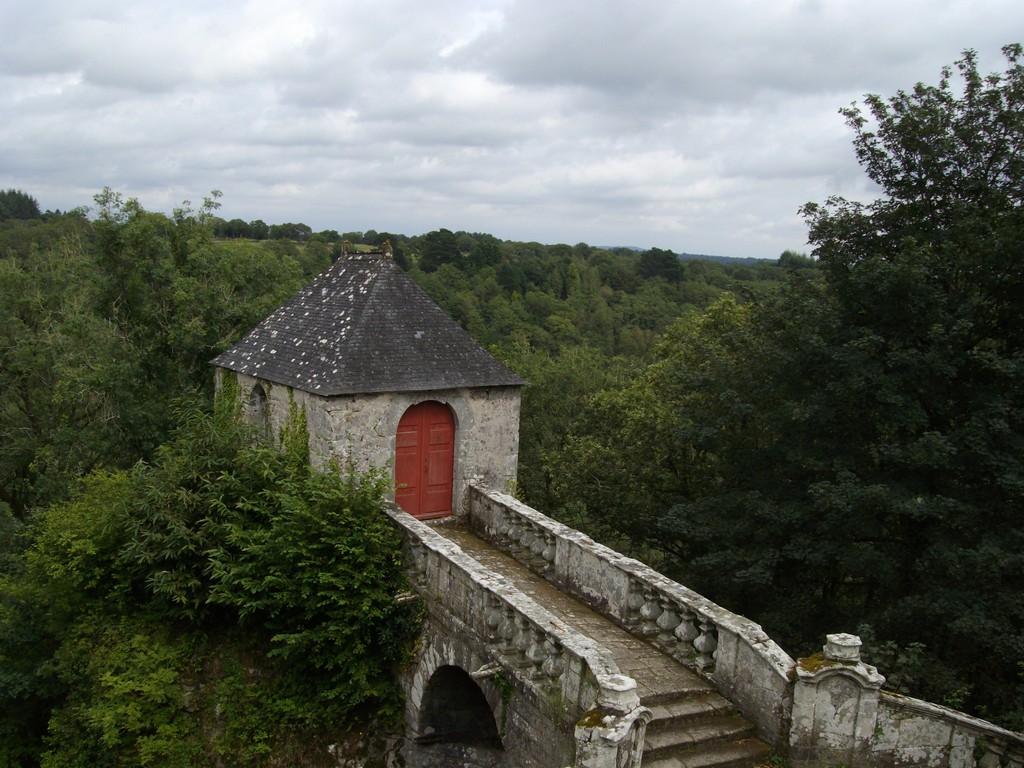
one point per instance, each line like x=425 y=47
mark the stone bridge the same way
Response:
x=544 y=649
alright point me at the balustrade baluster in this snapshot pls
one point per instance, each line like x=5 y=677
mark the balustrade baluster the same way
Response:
x=507 y=629
x=550 y=548
x=515 y=532
x=524 y=638
x=492 y=617
x=553 y=665
x=667 y=622
x=504 y=523
x=536 y=653
x=686 y=633
x=649 y=612
x=634 y=602
x=706 y=645
x=528 y=537
x=539 y=543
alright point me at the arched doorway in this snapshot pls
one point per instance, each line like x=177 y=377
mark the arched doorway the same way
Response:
x=425 y=460
x=455 y=711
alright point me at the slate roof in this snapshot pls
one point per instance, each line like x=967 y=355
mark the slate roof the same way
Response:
x=364 y=326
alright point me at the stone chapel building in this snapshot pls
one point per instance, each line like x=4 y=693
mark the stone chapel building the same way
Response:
x=386 y=379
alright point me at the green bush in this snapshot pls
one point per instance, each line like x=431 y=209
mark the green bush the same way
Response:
x=220 y=605
x=126 y=703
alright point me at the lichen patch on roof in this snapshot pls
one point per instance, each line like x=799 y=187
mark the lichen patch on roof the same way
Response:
x=364 y=326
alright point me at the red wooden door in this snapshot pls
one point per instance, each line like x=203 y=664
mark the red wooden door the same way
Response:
x=424 y=460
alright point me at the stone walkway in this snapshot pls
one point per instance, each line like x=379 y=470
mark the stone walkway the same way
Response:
x=656 y=674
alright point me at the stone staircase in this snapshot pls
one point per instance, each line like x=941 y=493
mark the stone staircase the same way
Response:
x=699 y=730
x=693 y=726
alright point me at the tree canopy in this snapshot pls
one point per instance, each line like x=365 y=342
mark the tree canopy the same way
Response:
x=15 y=204
x=848 y=454
x=105 y=324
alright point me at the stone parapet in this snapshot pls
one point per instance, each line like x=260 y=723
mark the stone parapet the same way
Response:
x=575 y=679
x=911 y=732
x=745 y=664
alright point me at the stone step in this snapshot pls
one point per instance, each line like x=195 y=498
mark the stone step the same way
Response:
x=700 y=730
x=684 y=734
x=746 y=753
x=692 y=707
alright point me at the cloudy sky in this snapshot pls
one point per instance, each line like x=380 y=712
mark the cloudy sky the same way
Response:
x=696 y=126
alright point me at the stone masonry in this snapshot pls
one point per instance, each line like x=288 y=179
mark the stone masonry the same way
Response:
x=588 y=658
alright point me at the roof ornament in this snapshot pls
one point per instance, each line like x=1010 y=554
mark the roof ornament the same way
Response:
x=346 y=248
x=387 y=250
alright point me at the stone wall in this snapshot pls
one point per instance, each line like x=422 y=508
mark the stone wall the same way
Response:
x=910 y=732
x=841 y=716
x=361 y=428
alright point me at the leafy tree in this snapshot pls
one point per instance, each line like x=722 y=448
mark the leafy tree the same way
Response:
x=58 y=365
x=290 y=231
x=617 y=270
x=314 y=257
x=511 y=277
x=929 y=287
x=485 y=253
x=437 y=248
x=15 y=204
x=793 y=260
x=104 y=325
x=219 y=522
x=259 y=229
x=660 y=263
x=232 y=229
x=552 y=404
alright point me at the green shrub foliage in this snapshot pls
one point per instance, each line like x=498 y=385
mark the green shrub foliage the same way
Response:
x=161 y=597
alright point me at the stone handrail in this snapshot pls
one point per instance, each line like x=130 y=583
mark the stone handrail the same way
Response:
x=542 y=652
x=745 y=664
x=953 y=738
x=841 y=716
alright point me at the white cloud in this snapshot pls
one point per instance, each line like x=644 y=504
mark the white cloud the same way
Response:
x=698 y=127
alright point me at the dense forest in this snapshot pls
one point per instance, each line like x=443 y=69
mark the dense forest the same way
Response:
x=823 y=443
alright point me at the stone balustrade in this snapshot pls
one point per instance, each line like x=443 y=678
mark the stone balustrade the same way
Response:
x=746 y=665
x=577 y=678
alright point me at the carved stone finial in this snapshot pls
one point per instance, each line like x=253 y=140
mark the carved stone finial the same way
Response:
x=842 y=647
x=346 y=247
x=618 y=693
x=387 y=250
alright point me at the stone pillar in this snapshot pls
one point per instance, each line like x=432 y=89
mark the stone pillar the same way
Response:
x=835 y=706
x=611 y=735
